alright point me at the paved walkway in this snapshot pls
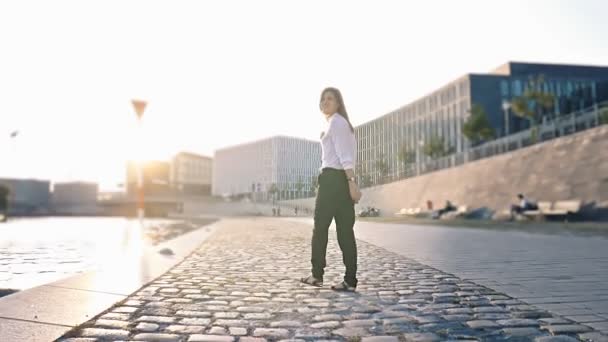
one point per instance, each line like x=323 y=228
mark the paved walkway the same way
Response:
x=563 y=273
x=242 y=285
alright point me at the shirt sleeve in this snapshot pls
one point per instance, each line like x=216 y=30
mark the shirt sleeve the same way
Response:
x=344 y=142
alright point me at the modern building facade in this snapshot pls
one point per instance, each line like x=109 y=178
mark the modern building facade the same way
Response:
x=71 y=193
x=440 y=116
x=278 y=167
x=75 y=198
x=28 y=196
x=191 y=174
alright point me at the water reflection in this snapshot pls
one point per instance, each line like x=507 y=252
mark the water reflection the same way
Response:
x=37 y=251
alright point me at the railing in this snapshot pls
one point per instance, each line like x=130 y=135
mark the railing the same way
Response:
x=550 y=128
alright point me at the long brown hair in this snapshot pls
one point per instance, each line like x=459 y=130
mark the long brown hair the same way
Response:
x=341 y=108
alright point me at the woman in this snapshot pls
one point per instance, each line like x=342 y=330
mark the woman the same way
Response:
x=338 y=192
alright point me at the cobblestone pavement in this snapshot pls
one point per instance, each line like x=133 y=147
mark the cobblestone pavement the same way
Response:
x=242 y=285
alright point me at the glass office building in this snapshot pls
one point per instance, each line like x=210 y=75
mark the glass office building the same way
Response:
x=443 y=113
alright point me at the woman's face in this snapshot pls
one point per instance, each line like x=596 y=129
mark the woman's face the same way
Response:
x=329 y=103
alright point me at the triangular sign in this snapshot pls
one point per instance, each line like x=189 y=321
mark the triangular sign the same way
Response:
x=139 y=106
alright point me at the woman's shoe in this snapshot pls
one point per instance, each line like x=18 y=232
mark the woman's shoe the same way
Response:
x=343 y=286
x=310 y=280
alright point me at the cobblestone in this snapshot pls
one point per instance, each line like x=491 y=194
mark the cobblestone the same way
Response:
x=147 y=327
x=157 y=337
x=239 y=286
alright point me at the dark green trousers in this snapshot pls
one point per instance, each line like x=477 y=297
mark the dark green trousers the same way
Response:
x=333 y=202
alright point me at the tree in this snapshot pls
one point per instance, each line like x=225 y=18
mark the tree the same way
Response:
x=366 y=180
x=604 y=116
x=299 y=186
x=533 y=103
x=314 y=183
x=406 y=156
x=382 y=167
x=477 y=128
x=436 y=148
x=273 y=189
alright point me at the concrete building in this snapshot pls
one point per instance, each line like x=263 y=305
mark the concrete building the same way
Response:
x=440 y=116
x=75 y=198
x=191 y=174
x=75 y=193
x=280 y=167
x=28 y=196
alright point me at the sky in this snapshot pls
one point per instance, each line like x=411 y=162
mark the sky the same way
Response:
x=220 y=73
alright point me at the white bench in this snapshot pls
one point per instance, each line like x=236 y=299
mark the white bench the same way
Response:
x=408 y=212
x=557 y=208
x=459 y=212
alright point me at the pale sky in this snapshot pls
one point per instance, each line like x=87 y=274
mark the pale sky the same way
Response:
x=219 y=73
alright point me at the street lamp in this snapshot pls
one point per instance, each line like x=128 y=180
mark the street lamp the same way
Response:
x=139 y=107
x=506 y=105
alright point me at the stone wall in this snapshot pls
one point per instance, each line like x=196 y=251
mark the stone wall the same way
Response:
x=571 y=167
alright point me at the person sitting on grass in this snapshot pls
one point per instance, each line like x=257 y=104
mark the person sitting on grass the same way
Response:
x=524 y=204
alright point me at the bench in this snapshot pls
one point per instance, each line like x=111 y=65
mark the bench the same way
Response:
x=555 y=209
x=537 y=213
x=408 y=212
x=459 y=212
x=564 y=208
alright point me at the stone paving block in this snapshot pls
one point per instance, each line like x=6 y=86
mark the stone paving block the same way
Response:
x=187 y=313
x=421 y=337
x=217 y=331
x=210 y=338
x=147 y=327
x=157 y=337
x=351 y=332
x=594 y=336
x=234 y=331
x=185 y=329
x=521 y=332
x=105 y=333
x=380 y=339
x=359 y=323
x=559 y=338
x=566 y=328
x=482 y=324
x=272 y=333
x=124 y=309
x=111 y=323
x=156 y=319
x=326 y=325
x=518 y=323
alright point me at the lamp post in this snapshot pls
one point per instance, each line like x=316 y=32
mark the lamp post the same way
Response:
x=506 y=106
x=139 y=107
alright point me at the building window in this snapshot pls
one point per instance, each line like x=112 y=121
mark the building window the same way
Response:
x=504 y=88
x=517 y=88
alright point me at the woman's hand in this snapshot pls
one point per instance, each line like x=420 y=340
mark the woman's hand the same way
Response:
x=355 y=193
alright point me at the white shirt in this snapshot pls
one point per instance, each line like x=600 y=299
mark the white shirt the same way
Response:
x=338 y=144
